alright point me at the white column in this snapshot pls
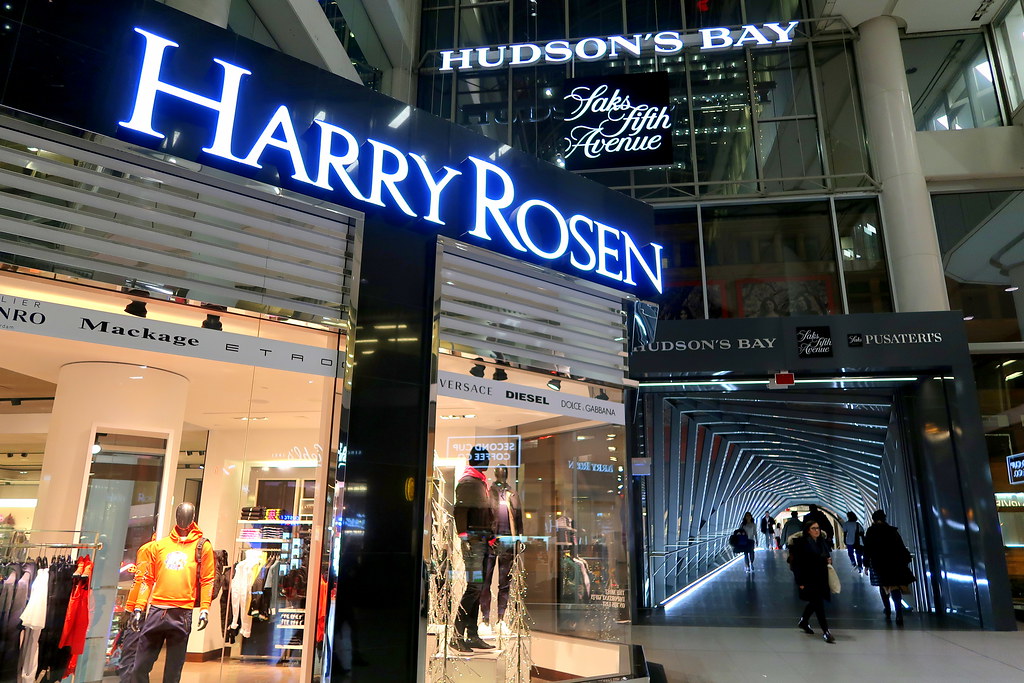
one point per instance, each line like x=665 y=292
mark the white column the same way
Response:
x=105 y=397
x=917 y=274
x=213 y=11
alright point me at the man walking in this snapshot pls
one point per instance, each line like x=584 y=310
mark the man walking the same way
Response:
x=768 y=530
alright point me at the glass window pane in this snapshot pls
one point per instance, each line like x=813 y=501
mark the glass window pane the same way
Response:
x=533 y=20
x=1011 y=53
x=978 y=235
x=782 y=83
x=435 y=94
x=438 y=30
x=483 y=25
x=588 y=18
x=482 y=104
x=772 y=260
x=863 y=254
x=789 y=150
x=951 y=82
x=536 y=122
x=721 y=121
x=846 y=147
x=653 y=15
x=701 y=14
x=683 y=298
x=760 y=11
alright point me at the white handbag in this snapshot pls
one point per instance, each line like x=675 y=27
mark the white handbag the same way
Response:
x=833 y=580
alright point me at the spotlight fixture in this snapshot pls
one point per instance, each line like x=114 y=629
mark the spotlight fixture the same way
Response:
x=10 y=455
x=136 y=308
x=500 y=374
x=15 y=401
x=478 y=369
x=24 y=455
x=601 y=396
x=212 y=322
x=555 y=384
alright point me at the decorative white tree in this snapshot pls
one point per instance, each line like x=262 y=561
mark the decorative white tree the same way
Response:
x=514 y=662
x=445 y=577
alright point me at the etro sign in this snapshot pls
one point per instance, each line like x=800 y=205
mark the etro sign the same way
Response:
x=663 y=43
x=321 y=155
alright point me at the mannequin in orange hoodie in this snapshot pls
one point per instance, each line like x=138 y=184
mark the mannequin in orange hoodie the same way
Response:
x=173 y=584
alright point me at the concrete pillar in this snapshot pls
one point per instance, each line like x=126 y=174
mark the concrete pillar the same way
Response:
x=214 y=11
x=917 y=274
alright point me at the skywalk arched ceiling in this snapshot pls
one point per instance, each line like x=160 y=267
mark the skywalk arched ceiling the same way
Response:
x=786 y=447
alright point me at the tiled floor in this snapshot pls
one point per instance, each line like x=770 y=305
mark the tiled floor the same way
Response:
x=747 y=632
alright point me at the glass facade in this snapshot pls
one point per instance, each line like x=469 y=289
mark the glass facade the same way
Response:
x=952 y=82
x=1008 y=31
x=744 y=121
x=773 y=259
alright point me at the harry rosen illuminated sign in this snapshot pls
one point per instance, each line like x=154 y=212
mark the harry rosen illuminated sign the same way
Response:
x=612 y=47
x=395 y=176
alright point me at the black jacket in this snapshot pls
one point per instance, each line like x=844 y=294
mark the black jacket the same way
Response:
x=826 y=526
x=887 y=555
x=474 y=513
x=809 y=562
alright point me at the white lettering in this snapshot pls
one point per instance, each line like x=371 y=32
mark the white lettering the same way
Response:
x=517 y=54
x=520 y=216
x=486 y=204
x=667 y=43
x=715 y=38
x=632 y=251
x=600 y=49
x=448 y=58
x=631 y=46
x=604 y=251
x=750 y=34
x=481 y=57
x=785 y=34
x=591 y=256
x=434 y=187
x=281 y=119
x=379 y=179
x=557 y=52
x=331 y=162
x=150 y=84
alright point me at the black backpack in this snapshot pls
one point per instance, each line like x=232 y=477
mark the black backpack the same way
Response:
x=218 y=568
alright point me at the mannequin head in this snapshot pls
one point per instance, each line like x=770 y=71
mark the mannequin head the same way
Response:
x=501 y=476
x=184 y=515
x=479 y=458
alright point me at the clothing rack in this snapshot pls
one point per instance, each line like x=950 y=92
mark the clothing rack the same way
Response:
x=21 y=541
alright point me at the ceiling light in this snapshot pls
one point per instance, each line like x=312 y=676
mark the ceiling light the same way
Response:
x=136 y=308
x=477 y=370
x=15 y=401
x=500 y=374
x=555 y=384
x=96 y=448
x=968 y=318
x=24 y=455
x=1011 y=288
x=212 y=322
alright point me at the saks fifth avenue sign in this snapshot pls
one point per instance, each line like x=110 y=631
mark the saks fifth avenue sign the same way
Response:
x=663 y=43
x=617 y=121
x=319 y=153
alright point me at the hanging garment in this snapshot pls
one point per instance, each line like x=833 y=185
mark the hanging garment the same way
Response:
x=12 y=624
x=241 y=587
x=53 y=659
x=77 y=622
x=33 y=620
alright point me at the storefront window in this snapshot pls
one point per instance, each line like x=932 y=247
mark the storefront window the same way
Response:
x=772 y=259
x=483 y=23
x=1008 y=31
x=1001 y=397
x=841 y=118
x=482 y=103
x=978 y=235
x=951 y=81
x=683 y=299
x=527 y=525
x=863 y=256
x=723 y=137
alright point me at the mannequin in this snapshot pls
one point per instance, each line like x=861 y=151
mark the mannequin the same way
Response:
x=474 y=521
x=508 y=523
x=173 y=584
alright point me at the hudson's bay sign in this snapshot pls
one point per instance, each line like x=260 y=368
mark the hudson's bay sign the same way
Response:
x=616 y=47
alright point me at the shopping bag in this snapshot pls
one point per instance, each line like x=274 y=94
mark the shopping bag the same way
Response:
x=833 y=580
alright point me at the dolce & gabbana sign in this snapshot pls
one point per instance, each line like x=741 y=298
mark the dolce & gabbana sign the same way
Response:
x=617 y=121
x=662 y=43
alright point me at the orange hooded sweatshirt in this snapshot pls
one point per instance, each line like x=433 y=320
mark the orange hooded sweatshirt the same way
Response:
x=141 y=557
x=169 y=571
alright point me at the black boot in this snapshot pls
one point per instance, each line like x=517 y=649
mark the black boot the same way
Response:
x=805 y=627
x=827 y=637
x=459 y=645
x=477 y=643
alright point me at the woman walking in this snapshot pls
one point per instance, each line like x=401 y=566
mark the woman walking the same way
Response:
x=749 y=527
x=888 y=563
x=809 y=560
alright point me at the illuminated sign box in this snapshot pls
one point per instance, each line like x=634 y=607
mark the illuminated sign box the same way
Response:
x=617 y=121
x=1015 y=468
x=503 y=449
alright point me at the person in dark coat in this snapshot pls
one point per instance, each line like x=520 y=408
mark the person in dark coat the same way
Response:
x=888 y=563
x=474 y=521
x=813 y=513
x=809 y=559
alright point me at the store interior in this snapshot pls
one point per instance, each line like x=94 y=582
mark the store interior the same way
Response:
x=245 y=444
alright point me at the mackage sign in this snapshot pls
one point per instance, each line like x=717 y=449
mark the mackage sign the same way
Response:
x=319 y=153
x=663 y=43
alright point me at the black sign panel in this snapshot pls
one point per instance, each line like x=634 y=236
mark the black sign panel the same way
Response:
x=805 y=344
x=617 y=121
x=1015 y=468
x=814 y=342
